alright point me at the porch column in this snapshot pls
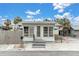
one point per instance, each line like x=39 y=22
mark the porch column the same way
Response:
x=41 y=31
x=22 y=30
x=35 y=30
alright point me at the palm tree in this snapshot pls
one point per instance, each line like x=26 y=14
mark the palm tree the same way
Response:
x=17 y=20
x=7 y=24
x=66 y=25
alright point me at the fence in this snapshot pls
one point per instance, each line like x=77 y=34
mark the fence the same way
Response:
x=10 y=37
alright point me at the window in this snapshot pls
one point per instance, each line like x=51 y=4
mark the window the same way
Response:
x=50 y=31
x=38 y=31
x=26 y=31
x=20 y=25
x=45 y=30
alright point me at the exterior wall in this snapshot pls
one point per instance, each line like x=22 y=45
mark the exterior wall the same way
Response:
x=48 y=38
x=27 y=39
x=55 y=31
x=41 y=34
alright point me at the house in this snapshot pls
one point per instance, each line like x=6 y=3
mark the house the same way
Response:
x=36 y=30
x=76 y=31
x=16 y=26
x=58 y=28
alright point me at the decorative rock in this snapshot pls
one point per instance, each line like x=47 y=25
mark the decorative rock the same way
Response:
x=19 y=46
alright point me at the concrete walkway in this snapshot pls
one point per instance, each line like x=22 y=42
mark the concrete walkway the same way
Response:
x=69 y=47
x=69 y=44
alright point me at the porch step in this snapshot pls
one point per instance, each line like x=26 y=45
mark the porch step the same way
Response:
x=38 y=44
x=38 y=41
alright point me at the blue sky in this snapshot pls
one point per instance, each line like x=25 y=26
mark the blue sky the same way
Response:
x=12 y=10
x=40 y=11
x=46 y=10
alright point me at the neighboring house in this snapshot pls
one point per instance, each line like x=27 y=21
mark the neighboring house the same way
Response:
x=59 y=28
x=35 y=30
x=16 y=26
x=76 y=32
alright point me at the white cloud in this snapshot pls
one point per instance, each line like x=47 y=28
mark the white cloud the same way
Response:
x=38 y=19
x=30 y=12
x=67 y=15
x=61 y=10
x=49 y=18
x=29 y=16
x=74 y=20
x=76 y=23
x=38 y=11
x=3 y=19
x=60 y=6
x=58 y=16
x=33 y=12
x=57 y=6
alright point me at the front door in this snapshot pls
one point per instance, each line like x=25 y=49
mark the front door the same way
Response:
x=38 y=33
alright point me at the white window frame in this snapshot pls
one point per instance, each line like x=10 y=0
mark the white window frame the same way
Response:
x=50 y=31
x=48 y=34
x=27 y=32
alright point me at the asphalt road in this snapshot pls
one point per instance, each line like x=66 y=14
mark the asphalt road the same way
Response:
x=39 y=53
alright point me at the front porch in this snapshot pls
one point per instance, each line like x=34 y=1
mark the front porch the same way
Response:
x=38 y=31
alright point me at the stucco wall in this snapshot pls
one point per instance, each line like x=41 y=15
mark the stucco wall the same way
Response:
x=41 y=35
x=10 y=37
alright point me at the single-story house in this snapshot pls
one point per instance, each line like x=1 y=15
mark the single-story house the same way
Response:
x=76 y=32
x=36 y=30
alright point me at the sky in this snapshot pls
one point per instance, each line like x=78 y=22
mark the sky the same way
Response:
x=40 y=11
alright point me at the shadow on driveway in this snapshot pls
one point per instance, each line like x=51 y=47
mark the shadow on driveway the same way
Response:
x=39 y=53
